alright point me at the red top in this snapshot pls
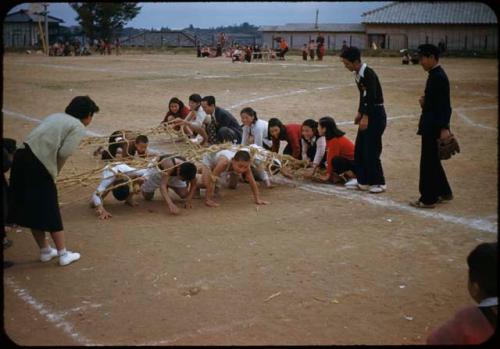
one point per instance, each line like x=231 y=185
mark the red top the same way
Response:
x=293 y=134
x=338 y=146
x=180 y=114
x=468 y=326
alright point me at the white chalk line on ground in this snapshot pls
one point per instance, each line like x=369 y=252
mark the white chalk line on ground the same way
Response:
x=328 y=189
x=475 y=124
x=55 y=317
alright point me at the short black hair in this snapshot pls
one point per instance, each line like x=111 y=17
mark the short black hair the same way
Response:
x=81 y=107
x=187 y=170
x=10 y=145
x=209 y=99
x=428 y=50
x=242 y=155
x=482 y=263
x=142 y=139
x=121 y=192
x=352 y=54
x=195 y=98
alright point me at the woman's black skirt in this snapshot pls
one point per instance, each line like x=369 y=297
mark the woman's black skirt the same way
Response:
x=32 y=194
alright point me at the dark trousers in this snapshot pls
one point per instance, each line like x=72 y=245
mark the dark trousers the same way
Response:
x=433 y=182
x=341 y=165
x=368 y=149
x=225 y=134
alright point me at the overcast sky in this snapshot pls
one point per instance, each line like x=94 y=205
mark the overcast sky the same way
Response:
x=213 y=14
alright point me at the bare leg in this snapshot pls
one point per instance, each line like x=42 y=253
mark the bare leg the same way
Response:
x=58 y=237
x=40 y=239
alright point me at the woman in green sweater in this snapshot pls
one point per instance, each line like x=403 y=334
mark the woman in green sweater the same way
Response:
x=36 y=164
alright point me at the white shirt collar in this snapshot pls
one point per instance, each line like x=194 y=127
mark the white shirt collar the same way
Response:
x=488 y=302
x=362 y=70
x=361 y=73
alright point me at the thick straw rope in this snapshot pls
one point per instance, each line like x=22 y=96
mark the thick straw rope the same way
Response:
x=184 y=147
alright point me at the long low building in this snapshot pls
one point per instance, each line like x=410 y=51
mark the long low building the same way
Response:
x=458 y=25
x=298 y=34
x=400 y=25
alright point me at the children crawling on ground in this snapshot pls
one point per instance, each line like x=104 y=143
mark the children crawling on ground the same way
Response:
x=227 y=165
x=259 y=170
x=290 y=133
x=125 y=144
x=171 y=172
x=475 y=324
x=117 y=180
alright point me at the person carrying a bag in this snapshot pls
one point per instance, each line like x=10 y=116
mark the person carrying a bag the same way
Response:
x=434 y=128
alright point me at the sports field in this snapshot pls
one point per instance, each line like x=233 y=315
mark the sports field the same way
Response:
x=319 y=265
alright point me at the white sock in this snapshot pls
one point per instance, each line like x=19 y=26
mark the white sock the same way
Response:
x=46 y=250
x=61 y=252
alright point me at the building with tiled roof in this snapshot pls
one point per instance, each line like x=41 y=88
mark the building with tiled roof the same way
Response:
x=457 y=25
x=401 y=25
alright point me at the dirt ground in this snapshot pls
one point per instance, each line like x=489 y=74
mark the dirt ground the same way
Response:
x=319 y=265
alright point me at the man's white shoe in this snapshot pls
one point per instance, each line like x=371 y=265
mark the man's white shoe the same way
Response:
x=68 y=257
x=47 y=256
x=363 y=187
x=376 y=189
x=351 y=184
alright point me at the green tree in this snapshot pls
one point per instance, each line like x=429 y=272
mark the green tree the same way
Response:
x=104 y=20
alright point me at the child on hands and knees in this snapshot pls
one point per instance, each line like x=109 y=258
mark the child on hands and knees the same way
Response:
x=475 y=324
x=227 y=163
x=174 y=172
x=116 y=180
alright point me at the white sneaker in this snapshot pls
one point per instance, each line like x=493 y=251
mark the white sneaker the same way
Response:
x=351 y=184
x=47 y=256
x=363 y=187
x=376 y=189
x=68 y=258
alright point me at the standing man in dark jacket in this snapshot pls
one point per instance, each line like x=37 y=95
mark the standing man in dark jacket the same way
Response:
x=434 y=124
x=372 y=120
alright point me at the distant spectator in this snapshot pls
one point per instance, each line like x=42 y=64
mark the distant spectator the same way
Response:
x=305 y=51
x=312 y=49
x=320 y=49
x=283 y=49
x=117 y=46
x=344 y=46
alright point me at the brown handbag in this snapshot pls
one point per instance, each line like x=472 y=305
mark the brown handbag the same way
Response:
x=448 y=147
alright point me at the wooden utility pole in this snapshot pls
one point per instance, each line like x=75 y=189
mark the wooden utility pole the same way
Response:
x=316 y=23
x=45 y=13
